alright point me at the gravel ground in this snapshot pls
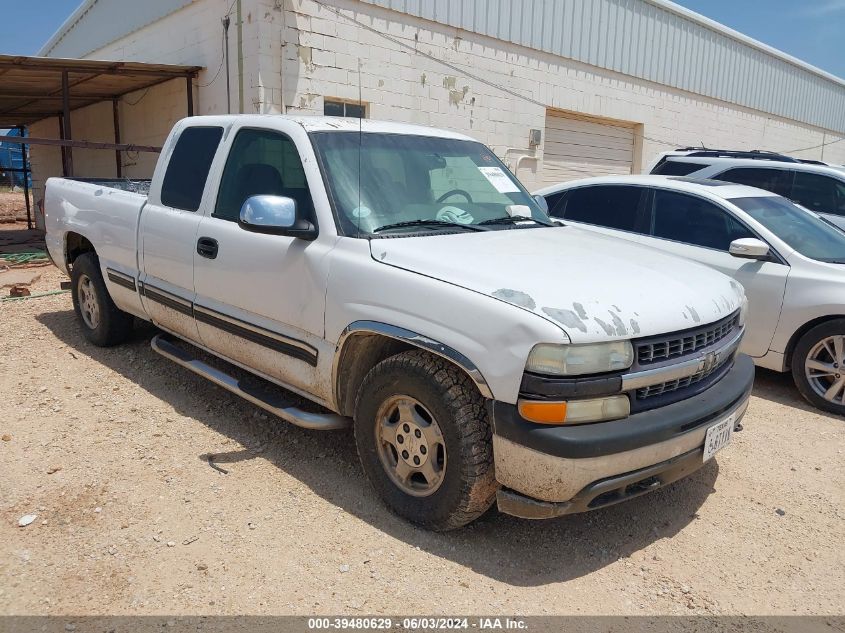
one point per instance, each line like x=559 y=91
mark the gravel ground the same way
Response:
x=12 y=205
x=108 y=448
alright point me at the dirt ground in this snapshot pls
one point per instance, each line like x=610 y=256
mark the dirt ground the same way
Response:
x=12 y=205
x=108 y=448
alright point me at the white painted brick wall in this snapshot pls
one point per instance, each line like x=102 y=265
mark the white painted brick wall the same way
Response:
x=403 y=85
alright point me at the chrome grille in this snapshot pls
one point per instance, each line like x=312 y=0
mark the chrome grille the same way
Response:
x=683 y=343
x=680 y=383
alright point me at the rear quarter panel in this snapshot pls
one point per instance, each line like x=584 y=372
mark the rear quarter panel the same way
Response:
x=106 y=217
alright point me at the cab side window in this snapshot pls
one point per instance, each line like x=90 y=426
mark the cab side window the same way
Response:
x=187 y=169
x=683 y=218
x=612 y=206
x=819 y=193
x=261 y=162
x=778 y=181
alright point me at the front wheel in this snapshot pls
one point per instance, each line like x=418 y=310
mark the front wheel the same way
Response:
x=103 y=323
x=424 y=440
x=818 y=366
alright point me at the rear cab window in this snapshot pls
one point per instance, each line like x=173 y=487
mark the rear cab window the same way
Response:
x=188 y=167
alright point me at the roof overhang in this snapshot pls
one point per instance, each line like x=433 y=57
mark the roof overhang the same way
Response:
x=31 y=87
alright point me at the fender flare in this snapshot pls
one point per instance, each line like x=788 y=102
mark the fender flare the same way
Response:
x=412 y=338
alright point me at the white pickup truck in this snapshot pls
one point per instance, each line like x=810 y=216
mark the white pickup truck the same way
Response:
x=402 y=280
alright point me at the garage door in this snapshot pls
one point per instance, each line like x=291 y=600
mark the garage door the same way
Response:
x=578 y=148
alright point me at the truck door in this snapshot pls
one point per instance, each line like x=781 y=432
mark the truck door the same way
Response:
x=260 y=298
x=168 y=230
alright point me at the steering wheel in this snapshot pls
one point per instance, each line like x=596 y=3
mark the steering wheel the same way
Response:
x=453 y=192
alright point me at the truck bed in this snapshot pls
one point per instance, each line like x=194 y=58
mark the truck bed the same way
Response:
x=104 y=211
x=141 y=186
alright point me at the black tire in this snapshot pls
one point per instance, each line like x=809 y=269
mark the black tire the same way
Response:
x=112 y=325
x=468 y=486
x=805 y=346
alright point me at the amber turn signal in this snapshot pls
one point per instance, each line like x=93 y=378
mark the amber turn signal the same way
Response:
x=543 y=412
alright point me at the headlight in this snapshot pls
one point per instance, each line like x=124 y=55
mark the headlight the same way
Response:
x=577 y=360
x=743 y=311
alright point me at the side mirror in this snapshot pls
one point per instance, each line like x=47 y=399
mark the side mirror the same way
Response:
x=541 y=202
x=276 y=215
x=749 y=248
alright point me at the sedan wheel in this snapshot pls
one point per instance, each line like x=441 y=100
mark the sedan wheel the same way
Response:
x=818 y=361
x=825 y=369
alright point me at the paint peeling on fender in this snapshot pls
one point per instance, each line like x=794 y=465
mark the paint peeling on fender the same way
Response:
x=566 y=317
x=516 y=297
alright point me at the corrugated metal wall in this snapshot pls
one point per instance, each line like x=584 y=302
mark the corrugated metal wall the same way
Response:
x=99 y=22
x=644 y=40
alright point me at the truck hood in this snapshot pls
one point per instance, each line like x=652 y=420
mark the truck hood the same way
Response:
x=593 y=286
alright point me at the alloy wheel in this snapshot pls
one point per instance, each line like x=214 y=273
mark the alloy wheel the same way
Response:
x=825 y=368
x=89 y=307
x=410 y=445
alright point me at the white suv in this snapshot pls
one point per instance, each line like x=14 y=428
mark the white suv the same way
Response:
x=812 y=184
x=790 y=261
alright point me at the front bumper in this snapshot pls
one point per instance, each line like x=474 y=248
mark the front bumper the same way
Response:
x=551 y=471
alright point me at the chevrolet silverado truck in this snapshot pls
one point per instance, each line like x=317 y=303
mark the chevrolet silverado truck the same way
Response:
x=401 y=281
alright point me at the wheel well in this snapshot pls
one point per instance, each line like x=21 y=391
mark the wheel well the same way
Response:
x=360 y=353
x=76 y=245
x=790 y=347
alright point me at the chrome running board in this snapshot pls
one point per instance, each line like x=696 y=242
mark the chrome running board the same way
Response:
x=270 y=401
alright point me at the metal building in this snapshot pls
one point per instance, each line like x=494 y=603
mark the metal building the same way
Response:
x=559 y=88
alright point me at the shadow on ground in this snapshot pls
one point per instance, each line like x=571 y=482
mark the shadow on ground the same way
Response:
x=510 y=550
x=779 y=388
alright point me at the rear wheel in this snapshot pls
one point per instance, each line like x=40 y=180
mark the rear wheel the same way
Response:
x=424 y=440
x=103 y=323
x=818 y=366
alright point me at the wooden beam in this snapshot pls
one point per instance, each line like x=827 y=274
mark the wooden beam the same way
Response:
x=48 y=96
x=115 y=68
x=56 y=142
x=190 y=89
x=67 y=135
x=118 y=162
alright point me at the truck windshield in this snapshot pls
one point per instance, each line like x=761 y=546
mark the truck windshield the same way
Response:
x=805 y=232
x=397 y=183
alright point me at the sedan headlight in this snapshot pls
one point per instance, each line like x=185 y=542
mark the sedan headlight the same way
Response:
x=578 y=360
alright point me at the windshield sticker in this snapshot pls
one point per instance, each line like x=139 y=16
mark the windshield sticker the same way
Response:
x=361 y=212
x=496 y=177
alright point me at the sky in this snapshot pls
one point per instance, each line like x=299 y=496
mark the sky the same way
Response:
x=811 y=30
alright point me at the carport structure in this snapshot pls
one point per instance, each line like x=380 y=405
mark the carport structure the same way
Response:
x=36 y=88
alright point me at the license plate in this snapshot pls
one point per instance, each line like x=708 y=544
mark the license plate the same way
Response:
x=718 y=437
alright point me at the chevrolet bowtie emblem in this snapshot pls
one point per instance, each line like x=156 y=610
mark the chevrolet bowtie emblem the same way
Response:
x=707 y=361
